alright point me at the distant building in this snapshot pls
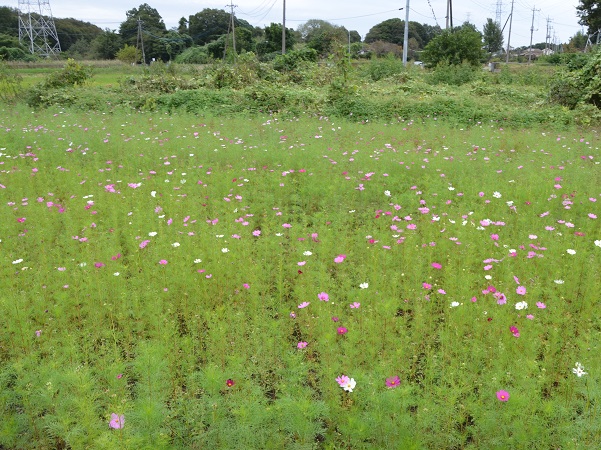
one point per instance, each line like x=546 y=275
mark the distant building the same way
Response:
x=533 y=53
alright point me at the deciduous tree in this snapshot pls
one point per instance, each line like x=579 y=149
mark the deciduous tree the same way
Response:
x=492 y=36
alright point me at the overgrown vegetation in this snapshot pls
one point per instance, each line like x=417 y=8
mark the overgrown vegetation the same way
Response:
x=297 y=83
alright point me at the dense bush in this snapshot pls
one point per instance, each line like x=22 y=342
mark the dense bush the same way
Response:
x=10 y=82
x=291 y=60
x=454 y=75
x=383 y=68
x=57 y=84
x=582 y=85
x=194 y=55
x=455 y=47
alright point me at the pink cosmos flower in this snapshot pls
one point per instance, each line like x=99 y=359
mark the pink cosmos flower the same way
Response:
x=342 y=380
x=427 y=286
x=541 y=305
x=257 y=233
x=501 y=299
x=341 y=330
x=436 y=265
x=117 y=421
x=514 y=331
x=355 y=305
x=503 y=396
x=323 y=296
x=21 y=219
x=494 y=237
x=303 y=305
x=339 y=259
x=98 y=265
x=144 y=243
x=393 y=382
x=521 y=290
x=302 y=345
x=335 y=319
x=287 y=225
x=246 y=286
x=163 y=262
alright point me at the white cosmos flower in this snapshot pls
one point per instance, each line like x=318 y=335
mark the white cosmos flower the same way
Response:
x=521 y=305
x=153 y=193
x=18 y=261
x=598 y=243
x=116 y=274
x=224 y=250
x=454 y=304
x=349 y=385
x=558 y=281
x=571 y=251
x=152 y=233
x=175 y=244
x=197 y=261
x=496 y=194
x=387 y=193
x=364 y=285
x=307 y=253
x=579 y=370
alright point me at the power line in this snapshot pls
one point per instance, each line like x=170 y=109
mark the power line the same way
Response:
x=346 y=18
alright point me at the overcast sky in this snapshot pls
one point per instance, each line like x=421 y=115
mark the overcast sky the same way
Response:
x=357 y=15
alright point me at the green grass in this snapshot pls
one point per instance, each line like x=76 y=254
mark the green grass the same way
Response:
x=157 y=342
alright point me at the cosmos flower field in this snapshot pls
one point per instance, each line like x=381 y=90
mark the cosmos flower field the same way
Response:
x=171 y=281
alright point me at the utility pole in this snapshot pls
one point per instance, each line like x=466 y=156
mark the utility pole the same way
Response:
x=450 y=13
x=509 y=37
x=284 y=30
x=231 y=25
x=140 y=40
x=548 y=35
x=406 y=36
x=531 y=33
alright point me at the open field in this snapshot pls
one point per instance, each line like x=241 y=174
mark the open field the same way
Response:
x=179 y=281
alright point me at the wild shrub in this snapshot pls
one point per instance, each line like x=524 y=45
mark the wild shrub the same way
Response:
x=454 y=75
x=384 y=68
x=10 y=83
x=58 y=83
x=194 y=55
x=291 y=60
x=582 y=85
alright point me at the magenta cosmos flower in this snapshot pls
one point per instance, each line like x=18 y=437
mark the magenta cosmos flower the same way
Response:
x=323 y=296
x=117 y=421
x=341 y=330
x=339 y=259
x=393 y=382
x=503 y=396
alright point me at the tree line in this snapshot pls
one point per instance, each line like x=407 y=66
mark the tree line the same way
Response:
x=208 y=35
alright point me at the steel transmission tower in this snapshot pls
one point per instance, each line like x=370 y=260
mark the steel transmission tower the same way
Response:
x=499 y=12
x=36 y=28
